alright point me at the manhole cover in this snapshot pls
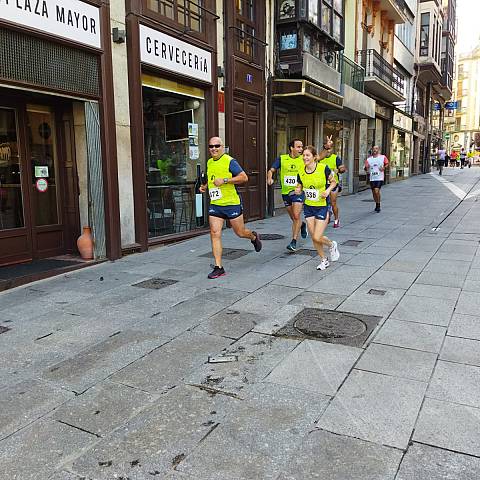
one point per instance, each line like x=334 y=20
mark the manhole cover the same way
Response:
x=155 y=283
x=306 y=251
x=352 y=243
x=330 y=326
x=271 y=236
x=230 y=253
x=315 y=323
x=374 y=291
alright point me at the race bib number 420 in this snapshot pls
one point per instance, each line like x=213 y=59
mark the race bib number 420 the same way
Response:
x=215 y=194
x=290 y=181
x=312 y=194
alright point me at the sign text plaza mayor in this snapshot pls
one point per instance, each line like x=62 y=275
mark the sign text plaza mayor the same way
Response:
x=71 y=19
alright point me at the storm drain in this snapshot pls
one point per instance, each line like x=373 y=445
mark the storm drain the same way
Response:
x=306 y=251
x=374 y=291
x=230 y=253
x=4 y=329
x=271 y=236
x=330 y=326
x=156 y=283
x=352 y=243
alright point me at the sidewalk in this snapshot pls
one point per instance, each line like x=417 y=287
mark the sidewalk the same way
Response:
x=105 y=379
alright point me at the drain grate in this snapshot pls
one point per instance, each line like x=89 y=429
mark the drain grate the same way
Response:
x=306 y=251
x=374 y=291
x=271 y=236
x=330 y=326
x=4 y=329
x=352 y=243
x=368 y=200
x=155 y=283
x=230 y=253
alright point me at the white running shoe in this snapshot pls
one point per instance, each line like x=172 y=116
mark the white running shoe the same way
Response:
x=334 y=253
x=323 y=264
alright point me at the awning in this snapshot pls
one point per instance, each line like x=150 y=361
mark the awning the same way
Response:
x=305 y=95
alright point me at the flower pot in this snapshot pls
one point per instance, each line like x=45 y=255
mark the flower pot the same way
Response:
x=85 y=244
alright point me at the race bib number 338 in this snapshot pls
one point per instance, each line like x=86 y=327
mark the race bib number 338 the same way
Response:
x=312 y=194
x=215 y=194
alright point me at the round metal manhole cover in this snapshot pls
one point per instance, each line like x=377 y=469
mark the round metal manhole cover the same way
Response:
x=329 y=325
x=271 y=236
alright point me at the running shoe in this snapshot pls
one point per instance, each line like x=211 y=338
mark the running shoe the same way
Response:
x=303 y=230
x=257 y=243
x=336 y=223
x=216 y=272
x=377 y=208
x=334 y=253
x=323 y=264
x=292 y=246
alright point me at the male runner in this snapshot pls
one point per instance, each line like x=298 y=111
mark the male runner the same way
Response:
x=463 y=157
x=223 y=174
x=375 y=168
x=334 y=163
x=289 y=166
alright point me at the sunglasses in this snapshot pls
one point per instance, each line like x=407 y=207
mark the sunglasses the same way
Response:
x=214 y=146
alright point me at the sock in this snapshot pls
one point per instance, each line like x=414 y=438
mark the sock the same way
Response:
x=378 y=205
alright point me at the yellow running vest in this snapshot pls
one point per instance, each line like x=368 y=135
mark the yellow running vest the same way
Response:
x=313 y=185
x=331 y=163
x=289 y=169
x=226 y=194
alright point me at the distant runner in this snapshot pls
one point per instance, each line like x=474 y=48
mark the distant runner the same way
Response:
x=375 y=167
x=463 y=157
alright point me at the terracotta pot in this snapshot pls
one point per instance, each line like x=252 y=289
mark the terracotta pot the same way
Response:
x=85 y=244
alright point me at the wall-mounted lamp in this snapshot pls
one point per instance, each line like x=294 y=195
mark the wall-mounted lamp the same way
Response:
x=118 y=36
x=220 y=71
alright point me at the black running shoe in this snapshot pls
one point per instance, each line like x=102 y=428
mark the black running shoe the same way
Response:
x=377 y=208
x=303 y=230
x=216 y=272
x=257 y=243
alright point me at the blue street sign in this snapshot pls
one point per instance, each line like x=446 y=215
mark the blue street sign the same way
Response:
x=436 y=106
x=451 y=105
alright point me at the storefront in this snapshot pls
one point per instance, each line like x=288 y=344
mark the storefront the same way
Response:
x=401 y=146
x=378 y=131
x=57 y=165
x=172 y=103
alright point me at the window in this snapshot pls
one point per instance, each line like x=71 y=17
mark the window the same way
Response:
x=185 y=12
x=424 y=34
x=313 y=11
x=405 y=34
x=245 y=27
x=332 y=18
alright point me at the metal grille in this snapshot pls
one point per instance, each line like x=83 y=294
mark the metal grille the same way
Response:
x=45 y=64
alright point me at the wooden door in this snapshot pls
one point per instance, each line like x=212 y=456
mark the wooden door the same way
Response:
x=245 y=146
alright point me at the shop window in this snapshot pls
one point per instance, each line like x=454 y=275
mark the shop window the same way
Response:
x=187 y=13
x=174 y=139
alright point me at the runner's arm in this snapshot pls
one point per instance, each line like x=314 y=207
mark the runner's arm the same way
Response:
x=341 y=168
x=299 y=187
x=366 y=166
x=385 y=163
x=272 y=170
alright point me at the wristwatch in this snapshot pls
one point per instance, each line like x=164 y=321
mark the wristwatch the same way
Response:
x=225 y=180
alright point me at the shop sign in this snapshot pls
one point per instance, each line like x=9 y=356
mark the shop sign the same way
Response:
x=71 y=19
x=169 y=53
x=382 y=111
x=437 y=106
x=323 y=94
x=42 y=185
x=402 y=121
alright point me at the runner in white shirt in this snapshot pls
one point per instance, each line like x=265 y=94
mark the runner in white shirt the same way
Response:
x=375 y=168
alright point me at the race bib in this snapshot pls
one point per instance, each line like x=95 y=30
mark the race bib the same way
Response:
x=215 y=193
x=290 y=180
x=374 y=172
x=312 y=194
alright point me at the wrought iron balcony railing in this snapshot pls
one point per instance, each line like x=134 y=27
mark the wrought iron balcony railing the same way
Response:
x=376 y=66
x=353 y=74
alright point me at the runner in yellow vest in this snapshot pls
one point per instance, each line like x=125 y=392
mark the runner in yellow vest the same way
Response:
x=288 y=166
x=335 y=164
x=223 y=174
x=317 y=181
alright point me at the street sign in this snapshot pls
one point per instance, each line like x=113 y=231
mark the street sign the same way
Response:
x=451 y=105
x=437 y=106
x=447 y=136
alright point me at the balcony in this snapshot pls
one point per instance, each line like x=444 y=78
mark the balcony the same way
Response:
x=353 y=74
x=381 y=78
x=397 y=10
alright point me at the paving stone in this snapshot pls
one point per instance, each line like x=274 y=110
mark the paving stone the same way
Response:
x=24 y=402
x=343 y=281
x=403 y=266
x=222 y=296
x=257 y=357
x=418 y=336
x=434 y=291
x=230 y=323
x=374 y=407
x=474 y=274
x=455 y=382
x=161 y=369
x=461 y=350
x=257 y=437
x=433 y=311
x=266 y=300
x=325 y=301
x=466 y=326
x=316 y=366
x=63 y=475
x=425 y=462
x=468 y=304
x=450 y=280
x=103 y=408
x=157 y=439
x=272 y=323
x=471 y=286
x=369 y=259
x=446 y=266
x=450 y=426
x=398 y=362
x=392 y=279
x=323 y=455
x=37 y=451
x=361 y=301
x=88 y=367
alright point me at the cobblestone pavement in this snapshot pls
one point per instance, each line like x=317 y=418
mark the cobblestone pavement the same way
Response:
x=105 y=379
